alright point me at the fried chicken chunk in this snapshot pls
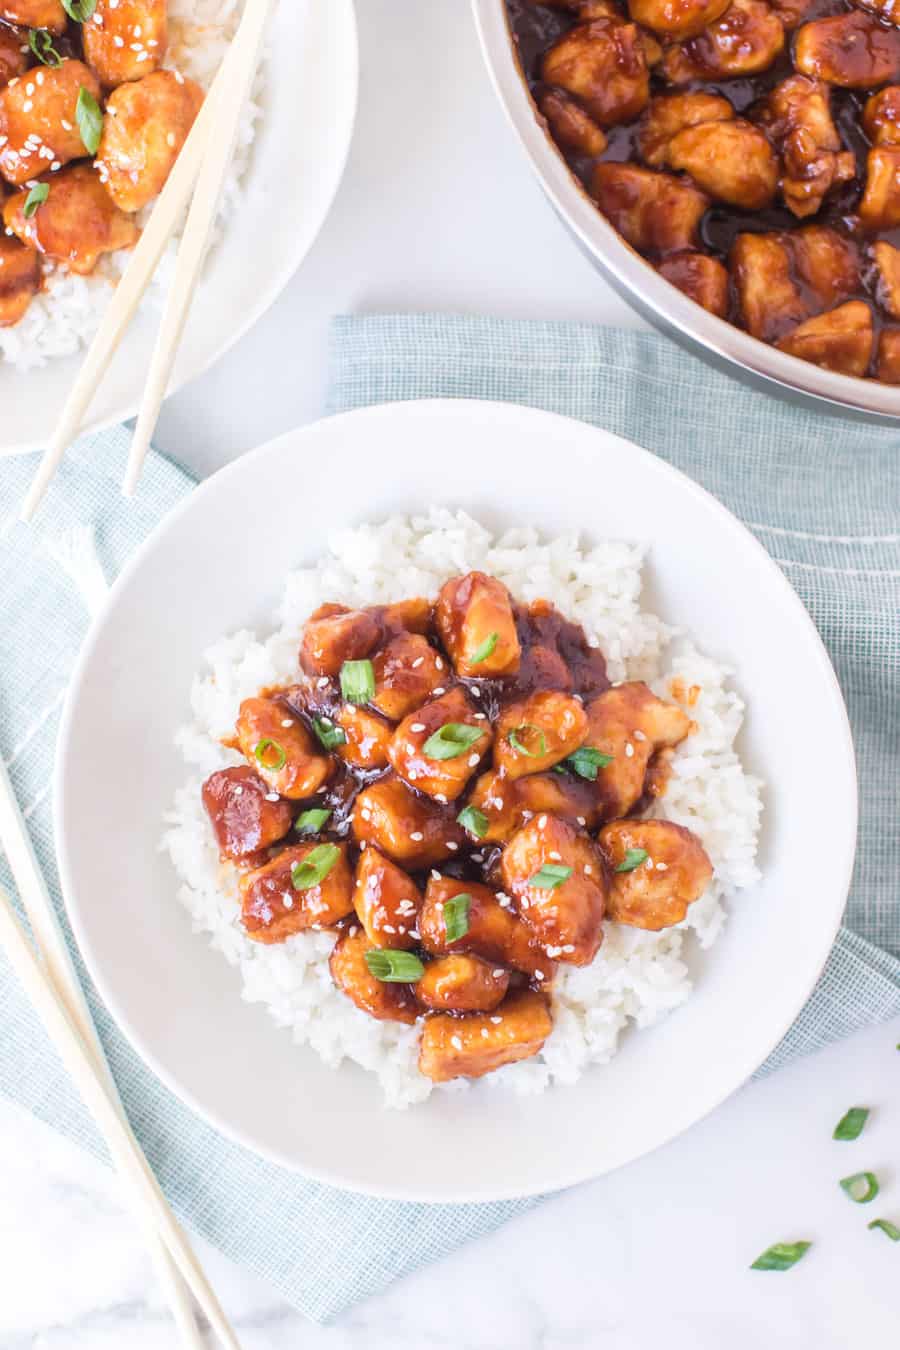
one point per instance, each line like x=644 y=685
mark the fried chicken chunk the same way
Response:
x=38 y=125
x=668 y=114
x=604 y=65
x=537 y=732
x=769 y=298
x=126 y=39
x=493 y=930
x=888 y=365
x=475 y=620
x=507 y=803
x=732 y=161
x=852 y=50
x=462 y=983
x=880 y=205
x=558 y=882
x=146 y=124
x=655 y=212
x=881 y=116
x=35 y=14
x=243 y=818
x=384 y=1000
x=478 y=1043
x=887 y=262
x=334 y=634
x=699 y=276
x=631 y=725
x=410 y=830
x=367 y=738
x=386 y=899
x=294 y=892
x=840 y=340
x=407 y=671
x=826 y=263
x=20 y=279
x=14 y=54
x=278 y=745
x=658 y=869
x=76 y=223
x=745 y=40
x=571 y=126
x=797 y=117
x=677 y=18
x=438 y=748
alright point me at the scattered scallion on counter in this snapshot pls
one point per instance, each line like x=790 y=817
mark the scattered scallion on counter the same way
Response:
x=889 y=1229
x=861 y=1187
x=311 y=821
x=850 y=1126
x=89 y=117
x=357 y=681
x=329 y=736
x=456 y=916
x=473 y=820
x=586 y=762
x=36 y=197
x=781 y=1256
x=450 y=740
x=551 y=875
x=315 y=867
x=393 y=967
x=80 y=10
x=633 y=858
x=40 y=40
x=270 y=754
x=485 y=650
x=515 y=740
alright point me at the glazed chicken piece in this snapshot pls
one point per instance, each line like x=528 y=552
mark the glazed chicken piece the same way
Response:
x=76 y=224
x=658 y=869
x=631 y=725
x=769 y=299
x=387 y=901
x=745 y=40
x=880 y=205
x=493 y=930
x=677 y=18
x=888 y=364
x=604 y=65
x=655 y=212
x=670 y=113
x=571 y=126
x=280 y=748
x=478 y=1043
x=439 y=747
x=20 y=279
x=381 y=999
x=797 y=117
x=462 y=983
x=126 y=39
x=334 y=634
x=407 y=672
x=887 y=263
x=538 y=732
x=557 y=879
x=368 y=738
x=412 y=831
x=35 y=14
x=38 y=123
x=792 y=12
x=732 y=161
x=508 y=803
x=14 y=54
x=475 y=620
x=145 y=126
x=244 y=818
x=306 y=886
x=852 y=50
x=826 y=263
x=840 y=340
x=702 y=278
x=881 y=116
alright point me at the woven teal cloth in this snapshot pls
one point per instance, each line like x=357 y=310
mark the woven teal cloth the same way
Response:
x=822 y=494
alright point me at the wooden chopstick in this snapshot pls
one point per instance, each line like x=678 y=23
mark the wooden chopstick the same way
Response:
x=60 y=973
x=246 y=45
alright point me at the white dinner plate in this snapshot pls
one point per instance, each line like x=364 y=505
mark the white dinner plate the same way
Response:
x=298 y=156
x=218 y=563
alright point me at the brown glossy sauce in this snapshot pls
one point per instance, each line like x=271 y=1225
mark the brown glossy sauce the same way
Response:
x=536 y=27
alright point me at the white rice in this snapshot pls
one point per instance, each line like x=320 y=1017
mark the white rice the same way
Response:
x=637 y=976
x=67 y=311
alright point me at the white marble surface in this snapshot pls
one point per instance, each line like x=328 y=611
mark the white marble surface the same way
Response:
x=438 y=211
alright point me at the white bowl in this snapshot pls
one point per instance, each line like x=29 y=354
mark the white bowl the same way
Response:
x=218 y=563
x=298 y=157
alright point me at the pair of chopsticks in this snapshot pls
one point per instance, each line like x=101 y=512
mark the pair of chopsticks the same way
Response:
x=53 y=987
x=199 y=171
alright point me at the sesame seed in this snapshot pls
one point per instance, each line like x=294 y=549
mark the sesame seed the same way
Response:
x=238 y=791
x=554 y=856
x=452 y=846
x=170 y=139
x=418 y=661
x=66 y=126
x=498 y=973
x=542 y=823
x=662 y=867
x=475 y=690
x=288 y=722
x=362 y=846
x=503 y=900
x=417 y=726
x=179 y=78
x=484 y=1032
x=649 y=864
x=569 y=947
x=118 y=42
x=29 y=88
x=410 y=749
x=288 y=901
x=353 y=930
x=539 y=974
x=439 y=691
x=388 y=928
x=439 y=797
x=456 y=1042
x=435 y=874
x=137 y=30
x=480 y=717
x=581 y=820
x=27 y=105
x=55 y=166
x=473 y=760
x=417 y=836
x=639 y=736
x=272 y=797
x=414 y=933
x=498 y=802
x=629 y=750
x=438 y=663
x=496 y=1021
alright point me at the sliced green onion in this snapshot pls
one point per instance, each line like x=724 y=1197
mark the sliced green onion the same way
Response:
x=521 y=749
x=265 y=749
x=473 y=820
x=781 y=1256
x=550 y=876
x=89 y=117
x=851 y=1125
x=315 y=867
x=393 y=967
x=889 y=1229
x=456 y=916
x=79 y=10
x=40 y=40
x=861 y=1187
x=357 y=681
x=451 y=740
x=633 y=858
x=311 y=821
x=587 y=762
x=328 y=734
x=36 y=197
x=482 y=652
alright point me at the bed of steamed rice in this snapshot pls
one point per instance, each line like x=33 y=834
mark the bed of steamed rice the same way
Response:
x=637 y=976
x=67 y=312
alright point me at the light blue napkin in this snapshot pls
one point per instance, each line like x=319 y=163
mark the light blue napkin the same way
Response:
x=822 y=494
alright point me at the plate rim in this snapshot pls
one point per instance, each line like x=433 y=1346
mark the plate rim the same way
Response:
x=729 y=1083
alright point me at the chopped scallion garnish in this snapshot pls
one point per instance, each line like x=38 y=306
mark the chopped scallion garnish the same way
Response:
x=393 y=967
x=587 y=762
x=357 y=681
x=311 y=821
x=781 y=1256
x=36 y=197
x=315 y=867
x=861 y=1187
x=485 y=650
x=329 y=736
x=889 y=1229
x=89 y=117
x=850 y=1126
x=40 y=40
x=517 y=744
x=79 y=10
x=633 y=858
x=473 y=820
x=451 y=740
x=271 y=754
x=550 y=876
x=456 y=916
